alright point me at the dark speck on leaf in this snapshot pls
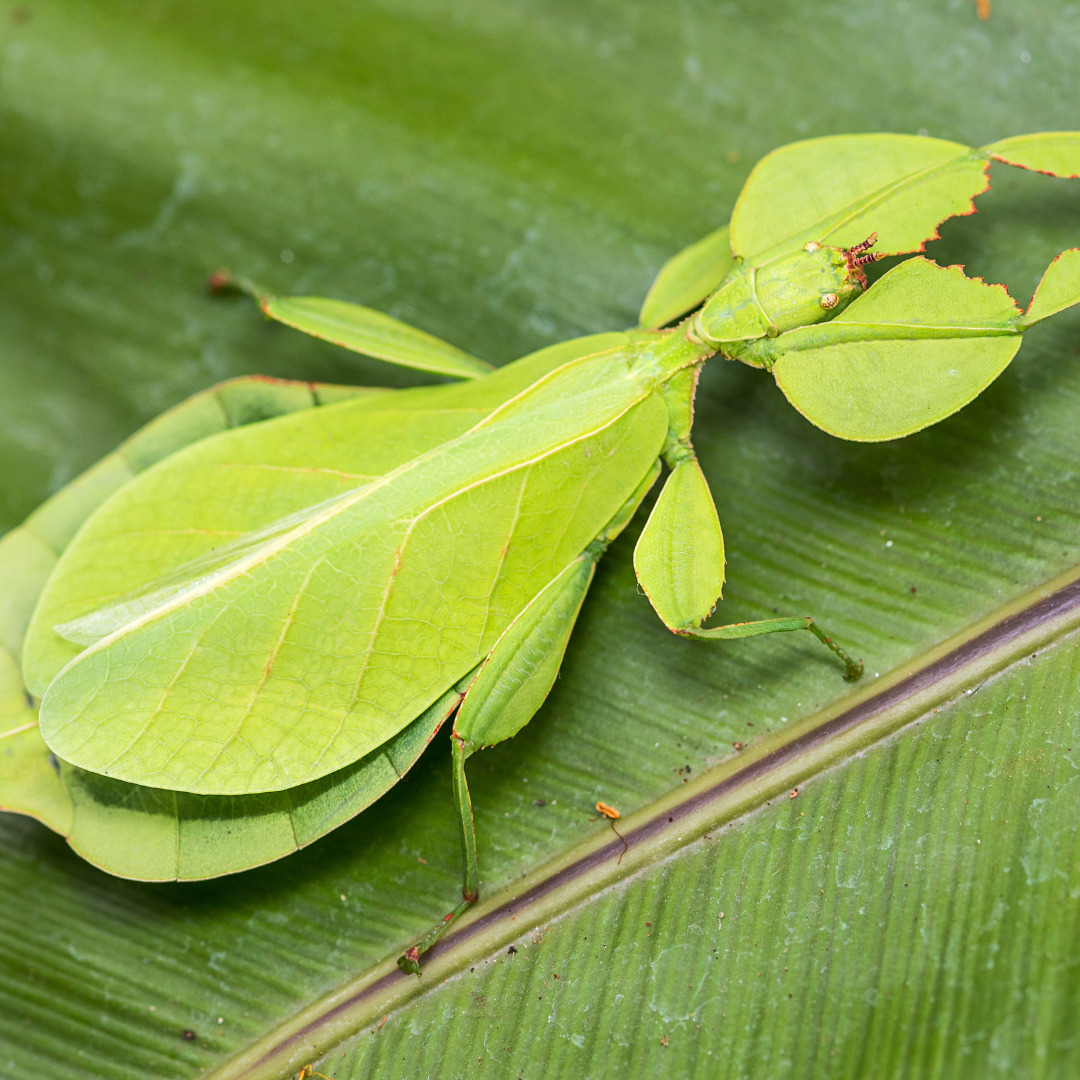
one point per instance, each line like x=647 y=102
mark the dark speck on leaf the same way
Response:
x=511 y=951
x=539 y=802
x=188 y=1034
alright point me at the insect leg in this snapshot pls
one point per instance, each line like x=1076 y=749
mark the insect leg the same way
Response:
x=511 y=685
x=409 y=962
x=679 y=560
x=358 y=328
x=852 y=668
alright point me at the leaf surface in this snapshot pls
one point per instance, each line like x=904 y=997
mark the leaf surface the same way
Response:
x=920 y=344
x=838 y=190
x=365 y=330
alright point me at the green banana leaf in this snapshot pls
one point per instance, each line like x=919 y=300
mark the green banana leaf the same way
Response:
x=506 y=176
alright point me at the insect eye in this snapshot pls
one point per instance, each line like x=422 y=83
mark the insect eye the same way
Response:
x=829 y=300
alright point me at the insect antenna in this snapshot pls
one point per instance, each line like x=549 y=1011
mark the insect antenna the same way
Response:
x=869 y=242
x=862 y=260
x=856 y=260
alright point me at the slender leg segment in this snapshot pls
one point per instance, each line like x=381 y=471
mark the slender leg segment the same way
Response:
x=679 y=561
x=410 y=961
x=511 y=684
x=852 y=668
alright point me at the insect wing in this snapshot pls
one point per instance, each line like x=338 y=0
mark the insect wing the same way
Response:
x=922 y=343
x=166 y=524
x=158 y=835
x=321 y=645
x=840 y=189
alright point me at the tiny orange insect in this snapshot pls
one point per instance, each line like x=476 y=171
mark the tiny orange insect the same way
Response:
x=612 y=815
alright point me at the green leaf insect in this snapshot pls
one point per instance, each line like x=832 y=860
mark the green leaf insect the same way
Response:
x=245 y=625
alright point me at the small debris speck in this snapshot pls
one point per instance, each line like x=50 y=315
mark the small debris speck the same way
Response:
x=188 y=1034
x=663 y=1040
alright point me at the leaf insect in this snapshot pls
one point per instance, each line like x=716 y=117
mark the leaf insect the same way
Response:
x=242 y=627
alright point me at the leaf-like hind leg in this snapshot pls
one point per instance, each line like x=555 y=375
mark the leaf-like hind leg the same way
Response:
x=512 y=684
x=852 y=668
x=409 y=962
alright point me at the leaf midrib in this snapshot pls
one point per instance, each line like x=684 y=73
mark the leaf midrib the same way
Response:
x=736 y=786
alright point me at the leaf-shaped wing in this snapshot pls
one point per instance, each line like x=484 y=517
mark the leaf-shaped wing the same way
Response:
x=917 y=346
x=226 y=488
x=320 y=645
x=840 y=189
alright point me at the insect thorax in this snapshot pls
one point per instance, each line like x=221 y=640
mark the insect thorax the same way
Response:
x=797 y=289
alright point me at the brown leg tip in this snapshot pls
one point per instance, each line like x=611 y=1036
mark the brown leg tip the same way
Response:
x=410 y=962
